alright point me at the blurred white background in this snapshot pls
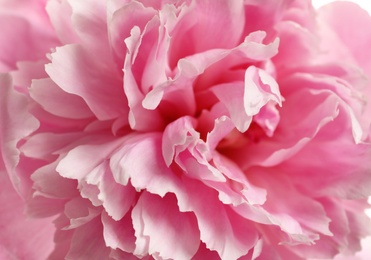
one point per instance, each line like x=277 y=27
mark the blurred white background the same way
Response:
x=365 y=4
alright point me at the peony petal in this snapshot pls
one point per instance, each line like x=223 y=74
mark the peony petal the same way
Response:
x=55 y=100
x=60 y=13
x=119 y=234
x=79 y=212
x=116 y=199
x=231 y=96
x=48 y=145
x=140 y=161
x=176 y=135
x=347 y=178
x=139 y=117
x=82 y=160
x=75 y=71
x=356 y=40
x=90 y=24
x=125 y=17
x=245 y=101
x=21 y=237
x=87 y=242
x=26 y=72
x=352 y=43
x=13 y=103
x=206 y=20
x=221 y=229
x=178 y=94
x=35 y=28
x=295 y=129
x=191 y=154
x=50 y=184
x=296 y=207
x=167 y=234
x=260 y=88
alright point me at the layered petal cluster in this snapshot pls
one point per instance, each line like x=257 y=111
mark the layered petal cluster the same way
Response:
x=192 y=129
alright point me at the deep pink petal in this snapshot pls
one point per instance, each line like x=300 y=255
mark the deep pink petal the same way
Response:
x=88 y=243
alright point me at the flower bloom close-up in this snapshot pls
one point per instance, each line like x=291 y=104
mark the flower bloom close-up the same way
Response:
x=184 y=129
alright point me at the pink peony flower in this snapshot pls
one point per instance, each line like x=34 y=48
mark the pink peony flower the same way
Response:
x=191 y=129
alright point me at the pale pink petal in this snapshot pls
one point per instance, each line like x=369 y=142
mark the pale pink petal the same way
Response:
x=295 y=130
x=191 y=154
x=166 y=234
x=221 y=229
x=353 y=17
x=60 y=13
x=139 y=117
x=53 y=99
x=238 y=189
x=83 y=159
x=297 y=44
x=347 y=178
x=268 y=118
x=75 y=71
x=124 y=17
x=231 y=95
x=90 y=24
x=244 y=100
x=176 y=135
x=116 y=199
x=140 y=161
x=177 y=94
x=293 y=214
x=119 y=234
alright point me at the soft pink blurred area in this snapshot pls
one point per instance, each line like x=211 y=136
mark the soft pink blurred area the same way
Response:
x=366 y=243
x=365 y=4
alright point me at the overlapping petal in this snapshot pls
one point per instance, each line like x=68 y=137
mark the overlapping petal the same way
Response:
x=184 y=129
